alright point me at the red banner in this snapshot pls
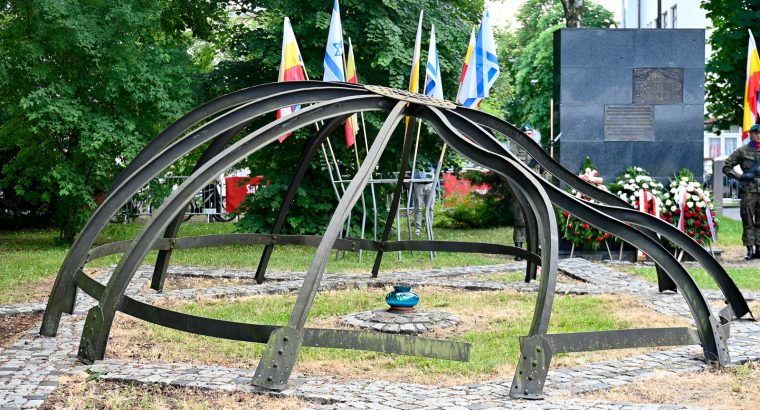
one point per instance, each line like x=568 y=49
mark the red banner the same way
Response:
x=238 y=188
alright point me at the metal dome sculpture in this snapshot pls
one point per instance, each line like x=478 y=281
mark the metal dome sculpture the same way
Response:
x=467 y=131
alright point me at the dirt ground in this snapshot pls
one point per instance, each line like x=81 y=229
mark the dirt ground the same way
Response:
x=81 y=393
x=735 y=388
x=12 y=327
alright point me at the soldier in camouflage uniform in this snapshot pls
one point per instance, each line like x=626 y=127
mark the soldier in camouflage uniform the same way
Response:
x=746 y=157
x=518 y=234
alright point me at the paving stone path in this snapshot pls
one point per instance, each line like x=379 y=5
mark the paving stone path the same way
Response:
x=30 y=369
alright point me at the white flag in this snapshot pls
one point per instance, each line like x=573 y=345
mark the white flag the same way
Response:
x=334 y=50
x=483 y=68
x=433 y=83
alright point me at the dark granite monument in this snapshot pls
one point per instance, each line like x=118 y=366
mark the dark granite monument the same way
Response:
x=630 y=97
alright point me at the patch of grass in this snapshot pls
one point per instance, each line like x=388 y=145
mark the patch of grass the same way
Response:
x=745 y=277
x=492 y=323
x=730 y=232
x=29 y=260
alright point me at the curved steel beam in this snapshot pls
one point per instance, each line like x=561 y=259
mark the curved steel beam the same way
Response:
x=100 y=318
x=353 y=192
x=395 y=202
x=536 y=195
x=164 y=256
x=249 y=332
x=63 y=290
x=311 y=148
x=210 y=109
x=351 y=244
x=664 y=282
x=725 y=283
x=713 y=343
x=278 y=359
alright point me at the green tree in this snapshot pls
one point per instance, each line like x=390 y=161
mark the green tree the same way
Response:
x=383 y=36
x=83 y=86
x=531 y=50
x=726 y=70
x=573 y=12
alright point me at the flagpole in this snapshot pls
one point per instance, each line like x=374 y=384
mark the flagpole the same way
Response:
x=366 y=145
x=411 y=181
x=551 y=128
x=439 y=165
x=371 y=186
x=329 y=171
x=416 y=54
x=329 y=167
x=356 y=152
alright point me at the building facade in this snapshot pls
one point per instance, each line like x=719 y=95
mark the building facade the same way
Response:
x=682 y=14
x=673 y=13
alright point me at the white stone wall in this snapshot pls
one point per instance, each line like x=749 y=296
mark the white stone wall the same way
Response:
x=689 y=14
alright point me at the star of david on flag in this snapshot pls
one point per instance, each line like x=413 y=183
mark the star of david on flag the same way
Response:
x=433 y=83
x=334 y=49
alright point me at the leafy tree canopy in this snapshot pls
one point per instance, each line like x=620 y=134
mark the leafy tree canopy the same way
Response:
x=382 y=34
x=726 y=70
x=83 y=86
x=530 y=50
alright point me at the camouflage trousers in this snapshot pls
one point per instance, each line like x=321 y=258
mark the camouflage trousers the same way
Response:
x=749 y=209
x=518 y=234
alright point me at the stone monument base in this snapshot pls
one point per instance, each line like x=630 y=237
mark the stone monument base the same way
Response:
x=404 y=322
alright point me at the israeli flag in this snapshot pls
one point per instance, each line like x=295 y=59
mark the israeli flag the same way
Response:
x=334 y=50
x=433 y=83
x=483 y=67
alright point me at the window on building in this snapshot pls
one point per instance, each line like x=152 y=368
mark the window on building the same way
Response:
x=674 y=16
x=665 y=20
x=713 y=147
x=729 y=145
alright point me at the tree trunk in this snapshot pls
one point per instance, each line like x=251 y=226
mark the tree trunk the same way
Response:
x=573 y=12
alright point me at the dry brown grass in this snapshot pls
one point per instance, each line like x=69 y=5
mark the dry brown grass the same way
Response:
x=733 y=254
x=131 y=340
x=754 y=306
x=77 y=393
x=36 y=291
x=737 y=388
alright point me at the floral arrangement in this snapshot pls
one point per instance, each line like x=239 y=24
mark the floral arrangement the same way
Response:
x=634 y=183
x=575 y=230
x=688 y=206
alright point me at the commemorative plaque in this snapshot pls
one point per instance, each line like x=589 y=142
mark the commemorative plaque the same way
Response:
x=657 y=85
x=628 y=123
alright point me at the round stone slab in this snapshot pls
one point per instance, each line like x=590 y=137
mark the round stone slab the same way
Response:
x=409 y=323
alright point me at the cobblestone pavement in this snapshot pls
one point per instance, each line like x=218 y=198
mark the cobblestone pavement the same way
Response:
x=30 y=369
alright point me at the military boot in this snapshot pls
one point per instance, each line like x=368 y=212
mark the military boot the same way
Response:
x=518 y=245
x=750 y=254
x=757 y=252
